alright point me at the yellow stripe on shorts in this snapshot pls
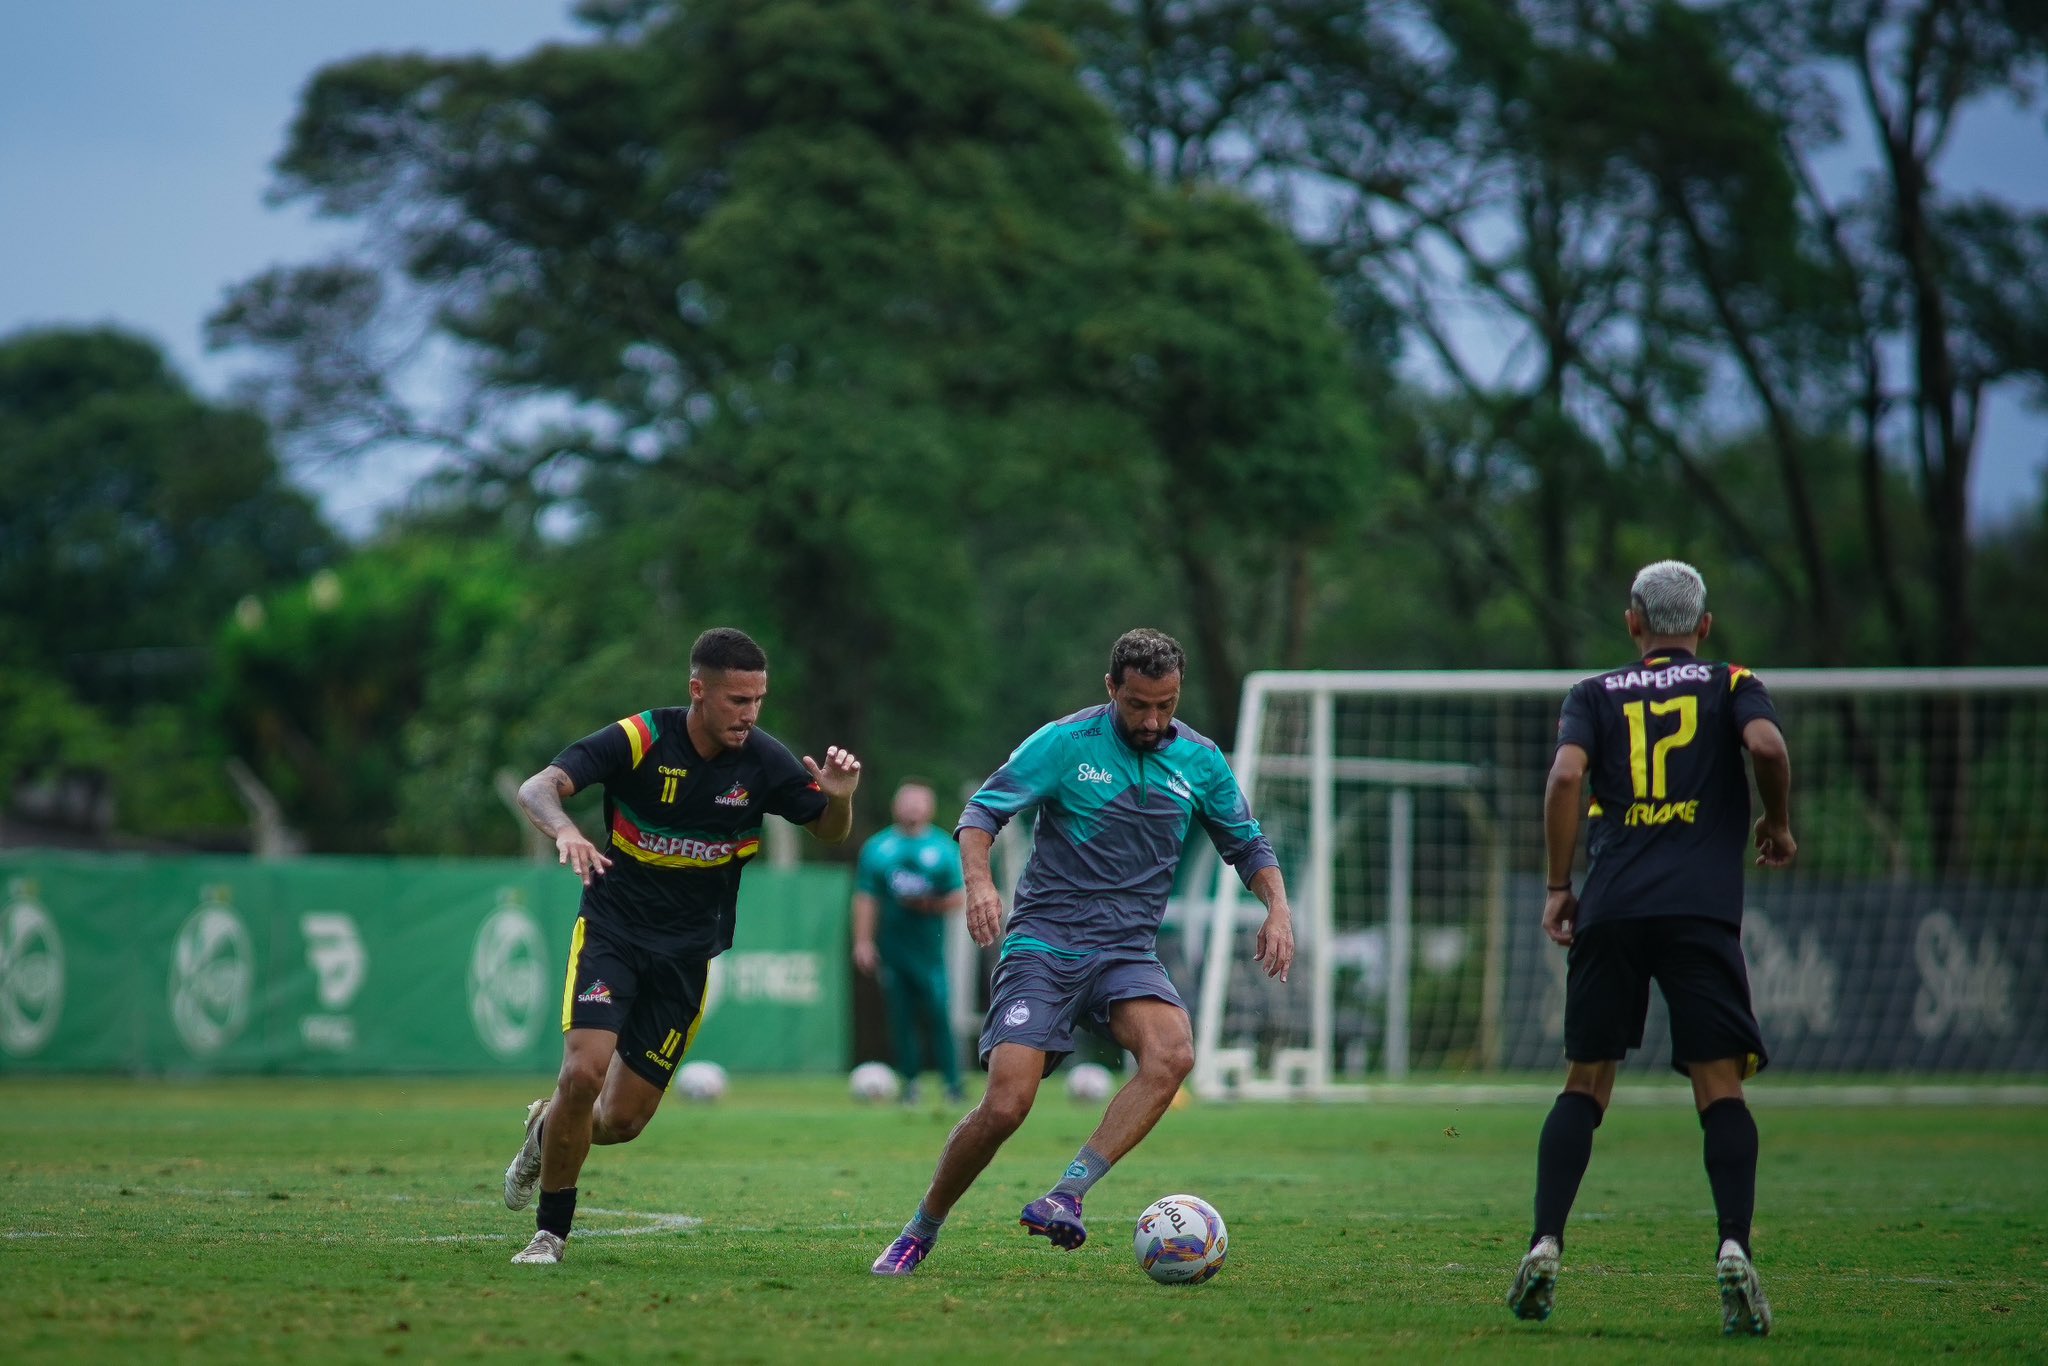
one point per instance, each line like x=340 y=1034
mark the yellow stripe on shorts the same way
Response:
x=569 y=987
x=703 y=1009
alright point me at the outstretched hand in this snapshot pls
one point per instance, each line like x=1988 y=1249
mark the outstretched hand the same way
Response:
x=582 y=857
x=838 y=776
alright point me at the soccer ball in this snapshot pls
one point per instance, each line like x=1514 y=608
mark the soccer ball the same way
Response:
x=701 y=1080
x=1089 y=1081
x=872 y=1081
x=1181 y=1240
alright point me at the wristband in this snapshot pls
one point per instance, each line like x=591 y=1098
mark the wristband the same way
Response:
x=1557 y=886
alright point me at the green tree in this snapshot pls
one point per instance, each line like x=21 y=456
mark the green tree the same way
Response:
x=340 y=691
x=133 y=515
x=1622 y=193
x=853 y=307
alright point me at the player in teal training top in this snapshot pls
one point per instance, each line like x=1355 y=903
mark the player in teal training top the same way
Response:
x=907 y=884
x=1116 y=788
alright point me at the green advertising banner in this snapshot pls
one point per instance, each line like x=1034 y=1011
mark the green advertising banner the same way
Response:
x=172 y=965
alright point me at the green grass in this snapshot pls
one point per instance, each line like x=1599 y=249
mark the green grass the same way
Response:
x=320 y=1221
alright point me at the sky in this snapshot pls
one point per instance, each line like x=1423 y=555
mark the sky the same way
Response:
x=136 y=138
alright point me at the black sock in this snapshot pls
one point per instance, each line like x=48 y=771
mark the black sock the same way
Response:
x=1730 y=1149
x=1561 y=1157
x=557 y=1211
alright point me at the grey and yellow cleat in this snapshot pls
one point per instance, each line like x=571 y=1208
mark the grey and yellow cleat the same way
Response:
x=522 y=1178
x=1744 y=1310
x=1535 y=1284
x=545 y=1250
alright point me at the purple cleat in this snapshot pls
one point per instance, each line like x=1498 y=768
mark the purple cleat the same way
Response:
x=1056 y=1217
x=902 y=1256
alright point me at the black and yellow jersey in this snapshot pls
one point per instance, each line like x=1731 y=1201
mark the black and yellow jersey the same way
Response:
x=679 y=828
x=1670 y=813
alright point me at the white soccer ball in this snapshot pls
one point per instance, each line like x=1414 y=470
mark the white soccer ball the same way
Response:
x=701 y=1080
x=1089 y=1081
x=1181 y=1240
x=872 y=1081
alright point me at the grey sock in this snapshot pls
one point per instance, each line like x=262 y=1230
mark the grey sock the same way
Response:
x=922 y=1225
x=1087 y=1168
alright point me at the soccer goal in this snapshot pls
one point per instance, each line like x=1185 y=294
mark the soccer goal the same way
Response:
x=1909 y=941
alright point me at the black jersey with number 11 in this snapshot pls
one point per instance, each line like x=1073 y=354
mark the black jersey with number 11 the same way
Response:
x=1670 y=814
x=680 y=827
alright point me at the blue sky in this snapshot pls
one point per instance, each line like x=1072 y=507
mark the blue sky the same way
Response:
x=135 y=146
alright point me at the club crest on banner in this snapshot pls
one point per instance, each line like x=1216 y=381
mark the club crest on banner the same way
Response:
x=31 y=972
x=213 y=975
x=508 y=977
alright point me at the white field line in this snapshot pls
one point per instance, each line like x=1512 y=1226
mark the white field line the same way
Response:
x=644 y=1222
x=1761 y=1093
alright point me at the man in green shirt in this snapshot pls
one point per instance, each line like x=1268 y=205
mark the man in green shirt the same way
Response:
x=908 y=883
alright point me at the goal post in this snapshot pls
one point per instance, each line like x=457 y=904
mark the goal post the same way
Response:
x=1911 y=937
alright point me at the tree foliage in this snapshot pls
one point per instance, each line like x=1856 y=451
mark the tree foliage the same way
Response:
x=826 y=320
x=936 y=346
x=133 y=516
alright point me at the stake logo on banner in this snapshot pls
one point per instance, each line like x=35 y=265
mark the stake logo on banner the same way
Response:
x=1790 y=986
x=213 y=971
x=1960 y=991
x=31 y=972
x=508 y=977
x=334 y=951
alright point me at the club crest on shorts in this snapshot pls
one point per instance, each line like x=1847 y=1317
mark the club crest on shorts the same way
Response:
x=1018 y=1013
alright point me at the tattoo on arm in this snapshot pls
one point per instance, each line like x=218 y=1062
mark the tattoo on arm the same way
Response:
x=540 y=797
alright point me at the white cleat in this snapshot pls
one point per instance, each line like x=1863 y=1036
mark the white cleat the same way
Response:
x=545 y=1249
x=1744 y=1310
x=522 y=1178
x=1535 y=1282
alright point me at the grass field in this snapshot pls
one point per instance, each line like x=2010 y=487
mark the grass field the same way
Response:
x=360 y=1220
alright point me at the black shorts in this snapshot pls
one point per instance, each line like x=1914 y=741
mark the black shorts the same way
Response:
x=1697 y=964
x=652 y=1001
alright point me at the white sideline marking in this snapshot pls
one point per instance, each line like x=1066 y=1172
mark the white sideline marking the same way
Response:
x=1659 y=1093
x=646 y=1221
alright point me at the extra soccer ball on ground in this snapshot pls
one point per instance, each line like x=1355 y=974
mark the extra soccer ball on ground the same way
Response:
x=1089 y=1081
x=874 y=1081
x=701 y=1080
x=1181 y=1240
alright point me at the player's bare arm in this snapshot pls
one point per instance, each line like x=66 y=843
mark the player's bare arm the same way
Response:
x=1275 y=946
x=541 y=797
x=944 y=904
x=837 y=778
x=1562 y=803
x=865 y=913
x=984 y=902
x=1772 y=761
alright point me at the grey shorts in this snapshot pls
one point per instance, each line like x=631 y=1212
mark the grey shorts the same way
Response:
x=1036 y=999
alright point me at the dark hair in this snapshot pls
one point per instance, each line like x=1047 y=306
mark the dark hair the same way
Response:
x=727 y=650
x=1154 y=654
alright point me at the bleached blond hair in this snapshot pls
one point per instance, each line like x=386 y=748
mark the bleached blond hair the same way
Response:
x=1671 y=596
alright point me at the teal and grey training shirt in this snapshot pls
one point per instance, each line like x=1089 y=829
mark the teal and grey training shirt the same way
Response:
x=1111 y=823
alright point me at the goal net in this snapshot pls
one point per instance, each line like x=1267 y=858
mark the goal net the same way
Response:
x=1910 y=938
